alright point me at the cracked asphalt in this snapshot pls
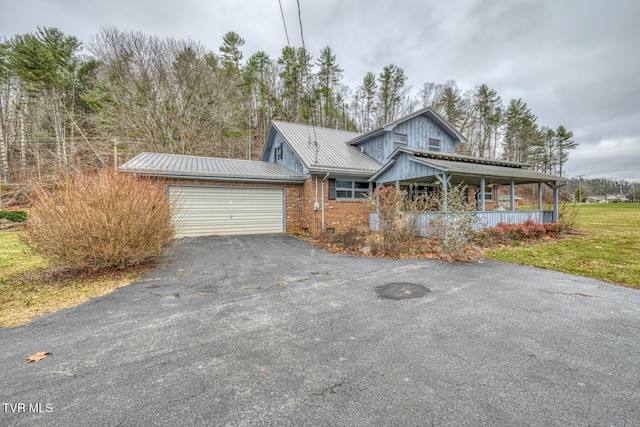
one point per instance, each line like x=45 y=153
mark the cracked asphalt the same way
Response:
x=267 y=330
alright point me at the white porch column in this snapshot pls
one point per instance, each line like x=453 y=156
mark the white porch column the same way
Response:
x=539 y=196
x=512 y=196
x=482 y=200
x=555 y=201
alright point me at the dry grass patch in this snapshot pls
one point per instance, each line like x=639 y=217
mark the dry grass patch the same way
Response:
x=25 y=295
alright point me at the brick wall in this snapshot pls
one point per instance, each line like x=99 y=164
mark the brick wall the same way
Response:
x=293 y=197
x=338 y=214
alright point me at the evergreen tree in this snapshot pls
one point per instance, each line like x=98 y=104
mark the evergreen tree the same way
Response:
x=329 y=76
x=230 y=48
x=564 y=144
x=391 y=91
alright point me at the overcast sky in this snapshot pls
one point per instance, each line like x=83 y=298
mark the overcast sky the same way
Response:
x=576 y=63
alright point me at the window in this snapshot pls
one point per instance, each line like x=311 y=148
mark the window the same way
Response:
x=488 y=194
x=434 y=144
x=400 y=139
x=278 y=154
x=347 y=190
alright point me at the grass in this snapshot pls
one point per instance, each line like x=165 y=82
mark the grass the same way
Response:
x=28 y=288
x=606 y=247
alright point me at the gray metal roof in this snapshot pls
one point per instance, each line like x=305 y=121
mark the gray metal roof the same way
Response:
x=488 y=171
x=334 y=154
x=194 y=167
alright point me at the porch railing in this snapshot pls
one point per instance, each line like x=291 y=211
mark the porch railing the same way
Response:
x=483 y=219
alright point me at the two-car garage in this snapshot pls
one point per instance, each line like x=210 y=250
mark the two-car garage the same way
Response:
x=204 y=210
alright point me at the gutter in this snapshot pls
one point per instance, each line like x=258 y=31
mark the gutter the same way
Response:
x=216 y=178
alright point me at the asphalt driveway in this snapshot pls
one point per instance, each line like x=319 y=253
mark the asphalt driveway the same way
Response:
x=266 y=330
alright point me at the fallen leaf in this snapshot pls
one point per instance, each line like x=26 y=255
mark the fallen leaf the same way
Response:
x=38 y=356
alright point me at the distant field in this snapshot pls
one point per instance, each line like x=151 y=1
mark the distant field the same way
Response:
x=607 y=249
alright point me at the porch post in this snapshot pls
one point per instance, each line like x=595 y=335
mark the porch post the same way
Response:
x=539 y=196
x=444 y=179
x=512 y=196
x=397 y=185
x=555 y=202
x=482 y=201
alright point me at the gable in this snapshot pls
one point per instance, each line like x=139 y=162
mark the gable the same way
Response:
x=422 y=130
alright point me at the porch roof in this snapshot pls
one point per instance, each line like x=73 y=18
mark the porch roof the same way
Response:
x=465 y=169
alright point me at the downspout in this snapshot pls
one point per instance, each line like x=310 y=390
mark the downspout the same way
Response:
x=323 y=180
x=316 y=206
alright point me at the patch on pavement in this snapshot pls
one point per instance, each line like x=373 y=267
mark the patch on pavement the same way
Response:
x=401 y=290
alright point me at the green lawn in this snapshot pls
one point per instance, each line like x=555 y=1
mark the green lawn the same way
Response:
x=607 y=249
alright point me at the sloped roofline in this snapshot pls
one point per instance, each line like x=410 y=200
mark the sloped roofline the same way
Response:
x=428 y=111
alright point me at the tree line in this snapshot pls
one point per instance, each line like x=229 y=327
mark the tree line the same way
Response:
x=65 y=105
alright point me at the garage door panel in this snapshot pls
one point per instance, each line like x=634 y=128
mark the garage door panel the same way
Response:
x=204 y=211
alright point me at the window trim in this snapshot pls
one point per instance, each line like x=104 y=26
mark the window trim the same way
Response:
x=434 y=143
x=278 y=153
x=400 y=139
x=489 y=195
x=356 y=193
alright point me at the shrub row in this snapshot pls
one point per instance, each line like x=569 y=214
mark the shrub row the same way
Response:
x=527 y=231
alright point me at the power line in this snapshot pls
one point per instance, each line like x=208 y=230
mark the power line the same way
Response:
x=300 y=21
x=284 y=23
x=304 y=52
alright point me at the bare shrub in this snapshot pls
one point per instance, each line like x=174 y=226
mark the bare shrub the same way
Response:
x=458 y=230
x=99 y=220
x=567 y=216
x=399 y=228
x=352 y=240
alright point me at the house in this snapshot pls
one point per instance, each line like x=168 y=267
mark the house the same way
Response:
x=610 y=198
x=314 y=179
x=505 y=199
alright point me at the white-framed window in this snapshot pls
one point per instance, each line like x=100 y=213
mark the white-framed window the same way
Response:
x=342 y=189
x=278 y=153
x=434 y=145
x=400 y=139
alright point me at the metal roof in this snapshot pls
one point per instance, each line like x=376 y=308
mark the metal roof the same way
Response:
x=488 y=171
x=194 y=167
x=462 y=158
x=334 y=154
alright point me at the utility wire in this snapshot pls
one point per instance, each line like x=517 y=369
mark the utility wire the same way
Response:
x=286 y=33
x=304 y=51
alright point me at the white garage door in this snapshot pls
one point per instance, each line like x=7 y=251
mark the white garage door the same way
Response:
x=207 y=211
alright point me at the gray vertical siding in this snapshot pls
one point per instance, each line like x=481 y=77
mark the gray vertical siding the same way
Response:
x=289 y=158
x=404 y=169
x=420 y=129
x=380 y=147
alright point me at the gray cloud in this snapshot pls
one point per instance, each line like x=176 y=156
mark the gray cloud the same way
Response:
x=575 y=63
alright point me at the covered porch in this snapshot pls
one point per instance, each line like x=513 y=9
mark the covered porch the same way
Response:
x=482 y=178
